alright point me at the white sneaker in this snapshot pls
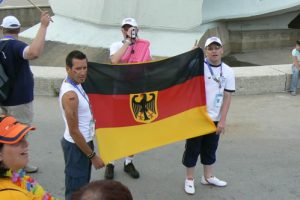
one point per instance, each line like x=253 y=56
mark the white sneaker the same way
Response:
x=213 y=181
x=189 y=186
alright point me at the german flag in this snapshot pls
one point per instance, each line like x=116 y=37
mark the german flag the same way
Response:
x=141 y=106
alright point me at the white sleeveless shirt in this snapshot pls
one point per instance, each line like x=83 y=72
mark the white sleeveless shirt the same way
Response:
x=84 y=112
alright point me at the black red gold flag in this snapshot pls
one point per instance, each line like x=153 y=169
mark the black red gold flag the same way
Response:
x=141 y=106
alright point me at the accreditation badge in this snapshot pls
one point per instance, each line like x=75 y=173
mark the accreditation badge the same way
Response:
x=218 y=100
x=92 y=127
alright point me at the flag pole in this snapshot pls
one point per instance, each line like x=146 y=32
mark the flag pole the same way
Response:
x=38 y=8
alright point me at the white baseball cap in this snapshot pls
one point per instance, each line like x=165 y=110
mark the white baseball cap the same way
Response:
x=212 y=40
x=10 y=22
x=129 y=21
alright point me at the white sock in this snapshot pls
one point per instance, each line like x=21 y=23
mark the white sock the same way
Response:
x=112 y=162
x=128 y=160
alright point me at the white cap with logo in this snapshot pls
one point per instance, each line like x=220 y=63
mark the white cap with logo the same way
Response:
x=212 y=40
x=129 y=21
x=10 y=22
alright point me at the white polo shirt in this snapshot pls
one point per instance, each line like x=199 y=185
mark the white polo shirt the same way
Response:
x=212 y=87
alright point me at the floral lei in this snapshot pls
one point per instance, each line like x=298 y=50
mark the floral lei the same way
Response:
x=26 y=182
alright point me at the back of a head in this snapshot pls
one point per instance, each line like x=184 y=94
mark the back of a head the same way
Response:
x=10 y=24
x=103 y=190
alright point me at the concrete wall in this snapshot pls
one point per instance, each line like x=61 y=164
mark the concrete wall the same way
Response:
x=249 y=80
x=262 y=79
x=245 y=41
x=70 y=31
x=166 y=14
x=254 y=25
x=243 y=25
x=262 y=33
x=280 y=21
x=170 y=14
x=27 y=15
x=214 y=10
x=220 y=31
x=253 y=34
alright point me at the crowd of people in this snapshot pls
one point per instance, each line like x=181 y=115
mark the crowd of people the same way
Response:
x=77 y=140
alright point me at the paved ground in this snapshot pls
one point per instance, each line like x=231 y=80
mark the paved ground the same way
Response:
x=258 y=155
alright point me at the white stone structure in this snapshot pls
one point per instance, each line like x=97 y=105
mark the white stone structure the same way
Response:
x=172 y=26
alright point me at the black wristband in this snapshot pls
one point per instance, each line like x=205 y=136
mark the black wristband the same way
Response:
x=92 y=155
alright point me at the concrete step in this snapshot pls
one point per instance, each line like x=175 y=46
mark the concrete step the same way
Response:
x=249 y=80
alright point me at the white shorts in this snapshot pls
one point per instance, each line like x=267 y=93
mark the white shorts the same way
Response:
x=23 y=113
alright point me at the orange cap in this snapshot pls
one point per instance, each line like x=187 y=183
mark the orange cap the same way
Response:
x=11 y=131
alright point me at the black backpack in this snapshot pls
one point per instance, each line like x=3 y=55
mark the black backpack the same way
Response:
x=5 y=82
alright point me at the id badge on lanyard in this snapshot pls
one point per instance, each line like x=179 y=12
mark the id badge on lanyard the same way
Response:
x=92 y=127
x=218 y=100
x=219 y=96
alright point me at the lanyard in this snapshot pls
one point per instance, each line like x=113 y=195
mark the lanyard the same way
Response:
x=82 y=92
x=8 y=37
x=218 y=80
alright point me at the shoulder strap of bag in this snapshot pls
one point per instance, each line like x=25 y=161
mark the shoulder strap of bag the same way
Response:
x=2 y=44
x=14 y=75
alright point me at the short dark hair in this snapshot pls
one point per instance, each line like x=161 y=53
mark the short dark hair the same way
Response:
x=74 y=54
x=3 y=169
x=298 y=42
x=103 y=190
x=11 y=30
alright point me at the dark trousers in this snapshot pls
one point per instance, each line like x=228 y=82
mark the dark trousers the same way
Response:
x=77 y=167
x=205 y=146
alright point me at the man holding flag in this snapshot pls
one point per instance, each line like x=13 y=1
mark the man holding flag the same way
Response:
x=219 y=85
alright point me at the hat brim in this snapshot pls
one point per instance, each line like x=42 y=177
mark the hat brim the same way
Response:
x=16 y=133
x=129 y=25
x=214 y=42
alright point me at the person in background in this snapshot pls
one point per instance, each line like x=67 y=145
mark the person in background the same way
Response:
x=295 y=68
x=219 y=85
x=131 y=49
x=14 y=183
x=15 y=58
x=103 y=190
